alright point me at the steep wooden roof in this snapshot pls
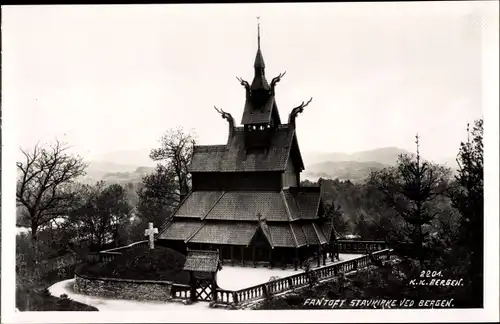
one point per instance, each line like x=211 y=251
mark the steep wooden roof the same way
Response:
x=215 y=217
x=198 y=203
x=204 y=261
x=180 y=229
x=234 y=157
x=287 y=205
x=260 y=114
x=279 y=234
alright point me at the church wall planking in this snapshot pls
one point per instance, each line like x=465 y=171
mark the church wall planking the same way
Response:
x=237 y=181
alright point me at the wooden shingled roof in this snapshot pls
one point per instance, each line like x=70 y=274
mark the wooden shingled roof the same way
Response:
x=241 y=233
x=202 y=260
x=234 y=157
x=253 y=114
x=218 y=217
x=287 y=205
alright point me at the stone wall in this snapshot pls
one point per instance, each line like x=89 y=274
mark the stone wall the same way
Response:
x=123 y=288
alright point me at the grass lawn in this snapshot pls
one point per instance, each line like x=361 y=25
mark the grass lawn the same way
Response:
x=161 y=263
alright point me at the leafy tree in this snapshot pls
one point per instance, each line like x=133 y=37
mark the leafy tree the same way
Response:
x=409 y=188
x=175 y=152
x=468 y=198
x=363 y=227
x=334 y=213
x=312 y=277
x=44 y=185
x=158 y=195
x=102 y=212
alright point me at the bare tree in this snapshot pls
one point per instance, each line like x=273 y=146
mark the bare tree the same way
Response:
x=176 y=151
x=44 y=184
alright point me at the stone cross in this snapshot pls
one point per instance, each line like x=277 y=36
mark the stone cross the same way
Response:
x=151 y=231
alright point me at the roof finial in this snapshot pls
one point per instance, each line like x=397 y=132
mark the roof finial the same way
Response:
x=258 y=32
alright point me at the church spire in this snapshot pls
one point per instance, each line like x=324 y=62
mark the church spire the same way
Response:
x=259 y=81
x=258 y=33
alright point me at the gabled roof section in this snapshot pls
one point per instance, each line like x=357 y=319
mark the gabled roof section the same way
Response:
x=180 y=229
x=281 y=235
x=299 y=234
x=303 y=202
x=203 y=261
x=246 y=205
x=234 y=157
x=235 y=233
x=319 y=234
x=255 y=113
x=264 y=229
x=198 y=203
x=328 y=230
x=307 y=200
x=295 y=154
x=310 y=234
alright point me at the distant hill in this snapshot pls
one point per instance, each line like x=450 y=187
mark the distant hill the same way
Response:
x=349 y=166
x=115 y=173
x=343 y=170
x=353 y=166
x=384 y=155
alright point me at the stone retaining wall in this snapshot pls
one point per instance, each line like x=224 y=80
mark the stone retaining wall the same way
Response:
x=123 y=288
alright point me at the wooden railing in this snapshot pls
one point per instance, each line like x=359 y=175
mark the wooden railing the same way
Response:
x=353 y=246
x=299 y=280
x=225 y=296
x=181 y=291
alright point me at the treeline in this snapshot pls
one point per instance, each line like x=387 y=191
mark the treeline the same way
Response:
x=432 y=217
x=67 y=217
x=362 y=209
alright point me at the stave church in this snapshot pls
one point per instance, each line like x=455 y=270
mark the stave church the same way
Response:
x=246 y=200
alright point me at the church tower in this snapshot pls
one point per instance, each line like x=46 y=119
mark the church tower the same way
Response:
x=260 y=115
x=246 y=200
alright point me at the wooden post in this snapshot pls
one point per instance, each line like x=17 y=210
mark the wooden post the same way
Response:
x=319 y=255
x=242 y=256
x=296 y=258
x=265 y=291
x=232 y=255
x=193 y=288
x=214 y=290
x=270 y=258
x=324 y=255
x=235 y=297
x=253 y=256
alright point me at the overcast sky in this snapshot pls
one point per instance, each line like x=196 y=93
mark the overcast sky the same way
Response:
x=110 y=78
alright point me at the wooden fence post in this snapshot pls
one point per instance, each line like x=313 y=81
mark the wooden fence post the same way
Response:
x=235 y=298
